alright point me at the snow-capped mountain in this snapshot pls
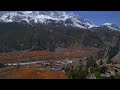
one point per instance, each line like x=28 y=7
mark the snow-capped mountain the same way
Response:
x=111 y=26
x=55 y=30
x=45 y=17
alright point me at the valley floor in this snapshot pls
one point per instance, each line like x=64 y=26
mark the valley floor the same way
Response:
x=42 y=64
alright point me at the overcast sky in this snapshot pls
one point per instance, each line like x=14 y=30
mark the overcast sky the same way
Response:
x=97 y=17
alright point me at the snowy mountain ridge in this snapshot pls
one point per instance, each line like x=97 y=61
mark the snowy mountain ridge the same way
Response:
x=46 y=17
x=68 y=19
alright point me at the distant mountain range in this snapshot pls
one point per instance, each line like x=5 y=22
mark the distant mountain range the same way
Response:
x=52 y=29
x=46 y=17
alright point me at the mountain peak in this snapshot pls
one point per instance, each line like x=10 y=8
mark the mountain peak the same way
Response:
x=111 y=26
x=67 y=19
x=107 y=24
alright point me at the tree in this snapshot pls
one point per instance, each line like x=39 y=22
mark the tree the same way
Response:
x=94 y=69
x=101 y=62
x=109 y=61
x=80 y=64
x=77 y=74
x=80 y=74
x=97 y=74
x=2 y=65
x=101 y=54
x=70 y=74
x=90 y=62
x=102 y=69
x=112 y=52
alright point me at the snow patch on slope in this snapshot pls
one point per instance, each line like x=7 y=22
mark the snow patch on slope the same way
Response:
x=112 y=26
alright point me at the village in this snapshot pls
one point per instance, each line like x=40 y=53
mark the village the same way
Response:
x=112 y=70
x=42 y=65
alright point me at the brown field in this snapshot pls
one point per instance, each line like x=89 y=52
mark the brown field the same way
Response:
x=46 y=55
x=32 y=73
